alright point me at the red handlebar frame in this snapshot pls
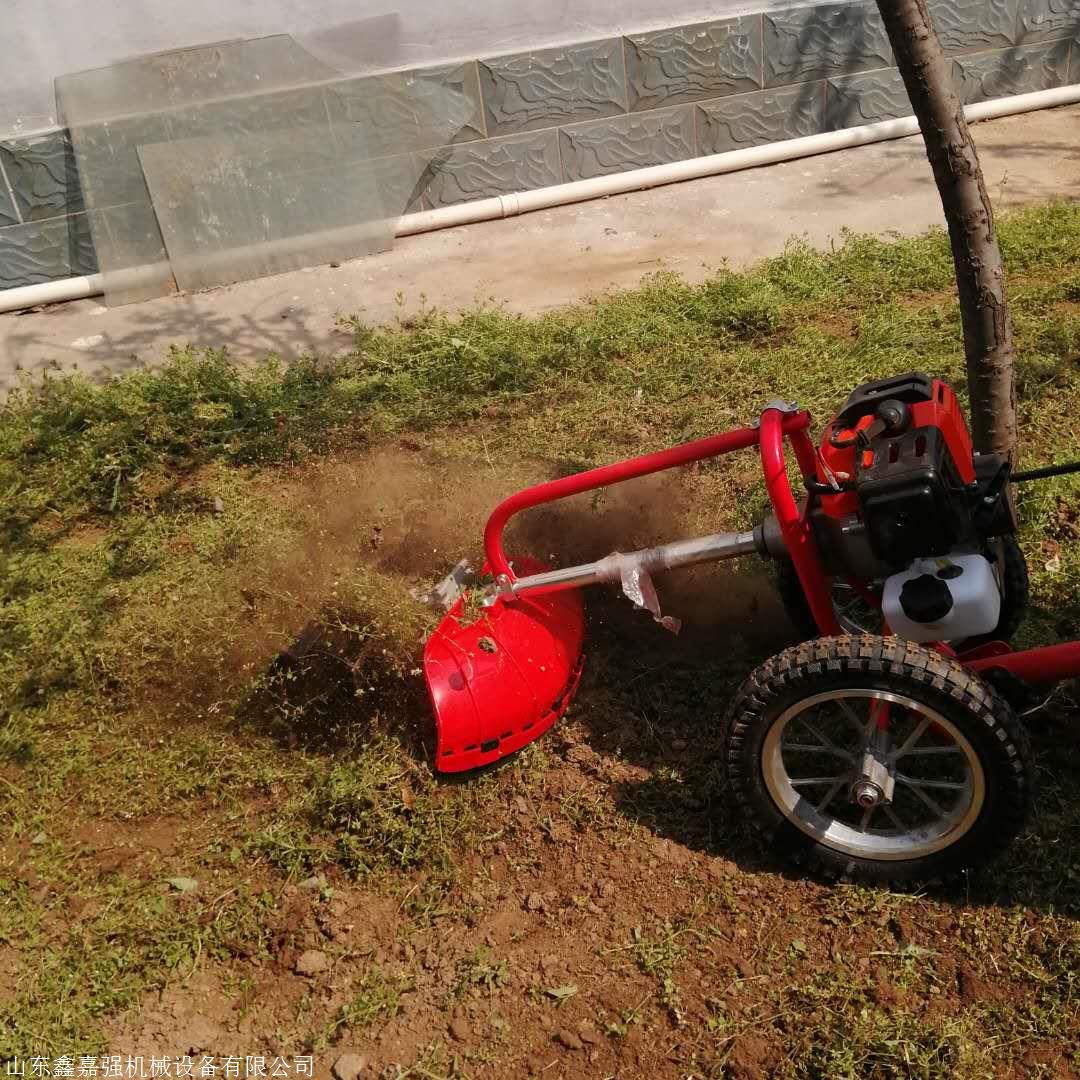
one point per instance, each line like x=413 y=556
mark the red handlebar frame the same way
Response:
x=606 y=475
x=1047 y=664
x=794 y=526
x=773 y=426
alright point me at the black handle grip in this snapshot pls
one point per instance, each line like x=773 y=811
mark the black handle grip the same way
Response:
x=1047 y=470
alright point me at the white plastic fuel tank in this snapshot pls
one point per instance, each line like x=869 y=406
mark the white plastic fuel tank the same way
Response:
x=943 y=599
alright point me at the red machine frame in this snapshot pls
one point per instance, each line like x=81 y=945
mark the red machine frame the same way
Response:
x=1046 y=664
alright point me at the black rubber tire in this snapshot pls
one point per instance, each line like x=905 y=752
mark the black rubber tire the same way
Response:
x=981 y=715
x=1014 y=596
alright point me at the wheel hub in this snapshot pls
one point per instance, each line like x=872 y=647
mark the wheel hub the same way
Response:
x=867 y=794
x=876 y=781
x=894 y=792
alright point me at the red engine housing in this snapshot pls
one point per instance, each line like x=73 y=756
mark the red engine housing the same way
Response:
x=938 y=409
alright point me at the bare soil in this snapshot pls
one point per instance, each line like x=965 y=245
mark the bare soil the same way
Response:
x=612 y=922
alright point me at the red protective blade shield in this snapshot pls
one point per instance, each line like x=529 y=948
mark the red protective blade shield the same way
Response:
x=503 y=680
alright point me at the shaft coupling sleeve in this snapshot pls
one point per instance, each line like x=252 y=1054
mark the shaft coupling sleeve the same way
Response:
x=769 y=540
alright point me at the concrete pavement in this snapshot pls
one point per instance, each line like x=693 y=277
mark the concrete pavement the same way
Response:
x=553 y=257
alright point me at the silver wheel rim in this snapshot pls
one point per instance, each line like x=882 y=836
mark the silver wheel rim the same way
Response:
x=853 y=613
x=810 y=766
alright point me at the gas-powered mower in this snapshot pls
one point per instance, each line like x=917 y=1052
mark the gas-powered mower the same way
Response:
x=886 y=747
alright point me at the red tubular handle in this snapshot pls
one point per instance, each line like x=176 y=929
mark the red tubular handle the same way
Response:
x=1048 y=664
x=793 y=526
x=606 y=475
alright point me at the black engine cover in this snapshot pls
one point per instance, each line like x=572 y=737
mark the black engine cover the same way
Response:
x=913 y=499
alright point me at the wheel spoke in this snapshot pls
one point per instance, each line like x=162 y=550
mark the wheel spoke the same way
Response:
x=913 y=738
x=828 y=744
x=853 y=609
x=928 y=750
x=853 y=716
x=920 y=794
x=894 y=817
x=868 y=813
x=815 y=748
x=877 y=707
x=941 y=785
x=830 y=794
x=816 y=781
x=845 y=607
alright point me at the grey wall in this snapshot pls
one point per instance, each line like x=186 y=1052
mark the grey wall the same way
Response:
x=46 y=38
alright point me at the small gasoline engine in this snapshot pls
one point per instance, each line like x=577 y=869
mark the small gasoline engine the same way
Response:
x=901 y=501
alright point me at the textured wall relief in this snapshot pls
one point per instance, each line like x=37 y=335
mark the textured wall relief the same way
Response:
x=865 y=99
x=42 y=175
x=468 y=130
x=402 y=179
x=1040 y=19
x=494 y=167
x=1018 y=71
x=688 y=63
x=627 y=142
x=7 y=207
x=410 y=110
x=817 y=42
x=755 y=119
x=46 y=251
x=975 y=24
x=553 y=86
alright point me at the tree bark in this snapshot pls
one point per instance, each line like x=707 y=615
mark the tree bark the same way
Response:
x=980 y=280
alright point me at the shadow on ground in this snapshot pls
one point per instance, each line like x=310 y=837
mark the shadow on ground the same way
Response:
x=289 y=330
x=671 y=714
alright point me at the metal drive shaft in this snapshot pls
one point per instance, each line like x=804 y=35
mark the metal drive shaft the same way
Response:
x=612 y=567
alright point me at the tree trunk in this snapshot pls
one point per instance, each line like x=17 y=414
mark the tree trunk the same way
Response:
x=984 y=310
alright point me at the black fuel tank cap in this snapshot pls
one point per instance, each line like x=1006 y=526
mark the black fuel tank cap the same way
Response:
x=926 y=599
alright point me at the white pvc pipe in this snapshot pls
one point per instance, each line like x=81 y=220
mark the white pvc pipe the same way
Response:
x=714 y=164
x=79 y=288
x=503 y=206
x=51 y=292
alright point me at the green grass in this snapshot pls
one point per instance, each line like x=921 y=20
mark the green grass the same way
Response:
x=375 y=996
x=68 y=444
x=148 y=525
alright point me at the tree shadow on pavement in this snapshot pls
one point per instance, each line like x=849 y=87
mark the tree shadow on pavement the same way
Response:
x=288 y=330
